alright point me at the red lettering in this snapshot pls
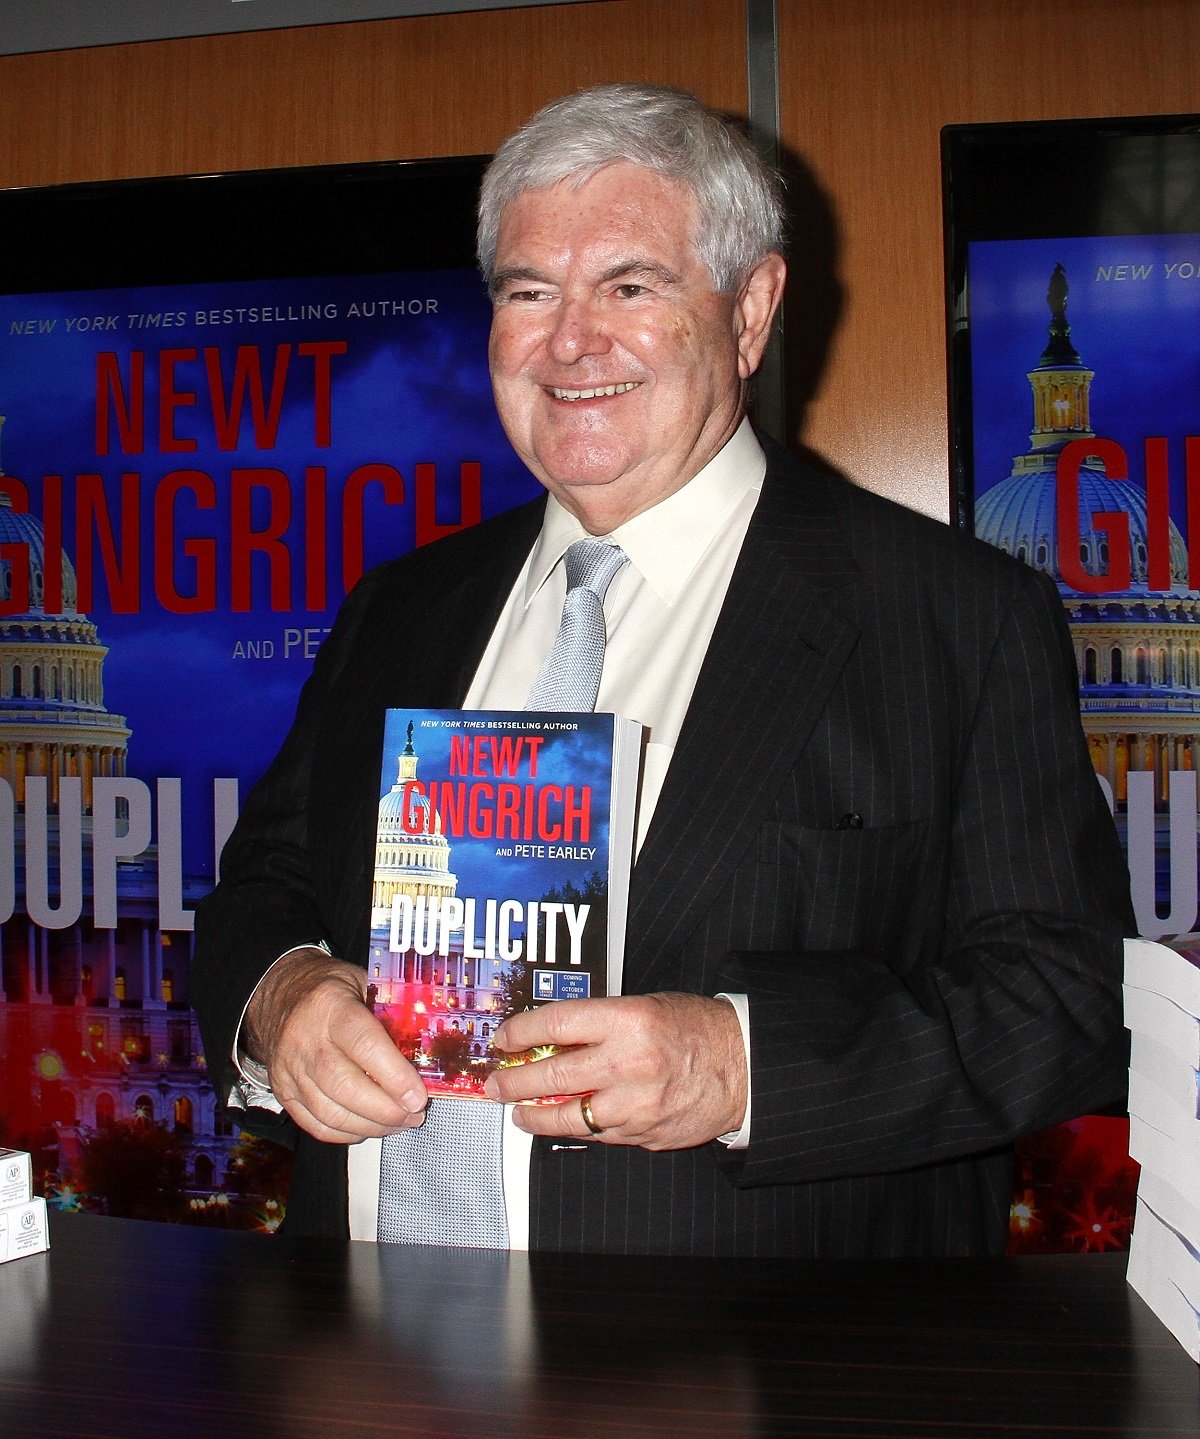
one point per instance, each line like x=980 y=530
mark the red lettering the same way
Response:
x=506 y=754
x=52 y=547
x=245 y=540
x=352 y=514
x=322 y=352
x=451 y=807
x=470 y=482
x=1113 y=522
x=546 y=828
x=1158 y=515
x=201 y=552
x=1192 y=485
x=316 y=543
x=508 y=810
x=412 y=814
x=247 y=376
x=119 y=560
x=171 y=399
x=577 y=813
x=130 y=413
x=480 y=814
x=15 y=553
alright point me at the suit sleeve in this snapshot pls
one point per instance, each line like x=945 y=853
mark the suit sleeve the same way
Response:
x=267 y=902
x=1006 y=1017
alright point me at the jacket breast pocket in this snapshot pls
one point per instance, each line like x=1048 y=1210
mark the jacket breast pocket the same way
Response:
x=845 y=888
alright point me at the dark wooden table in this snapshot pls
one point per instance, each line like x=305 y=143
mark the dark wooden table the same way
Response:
x=135 y=1330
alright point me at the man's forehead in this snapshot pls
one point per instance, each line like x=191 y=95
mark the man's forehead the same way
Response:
x=618 y=200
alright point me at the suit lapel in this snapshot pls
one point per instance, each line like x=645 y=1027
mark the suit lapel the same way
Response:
x=777 y=650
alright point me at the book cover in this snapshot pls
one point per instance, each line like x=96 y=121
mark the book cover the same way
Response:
x=501 y=876
x=1163 y=1067
x=1164 y=1021
x=1169 y=1196
x=1169 y=1251
x=1164 y=1297
x=1151 y=1103
x=1172 y=971
x=1158 y=1153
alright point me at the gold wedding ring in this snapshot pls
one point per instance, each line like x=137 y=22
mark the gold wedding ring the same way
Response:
x=585 y=1108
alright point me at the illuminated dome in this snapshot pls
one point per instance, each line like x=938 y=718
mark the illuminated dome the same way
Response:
x=1020 y=516
x=24 y=529
x=414 y=864
x=53 y=723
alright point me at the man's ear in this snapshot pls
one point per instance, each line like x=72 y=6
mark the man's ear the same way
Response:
x=757 y=302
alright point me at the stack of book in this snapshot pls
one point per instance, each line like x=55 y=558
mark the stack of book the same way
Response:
x=22 y=1217
x=1162 y=1014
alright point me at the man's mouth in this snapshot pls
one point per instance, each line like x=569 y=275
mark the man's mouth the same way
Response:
x=595 y=393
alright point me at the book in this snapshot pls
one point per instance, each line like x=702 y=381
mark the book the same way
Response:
x=1164 y=1021
x=1168 y=1250
x=1162 y=1270
x=1173 y=972
x=501 y=879
x=1163 y=1067
x=1151 y=1103
x=1160 y=1154
x=1174 y=1203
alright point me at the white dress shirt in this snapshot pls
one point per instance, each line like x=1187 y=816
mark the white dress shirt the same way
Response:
x=660 y=612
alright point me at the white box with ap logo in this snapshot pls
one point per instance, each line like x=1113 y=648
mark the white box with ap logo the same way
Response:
x=23 y=1230
x=16 y=1177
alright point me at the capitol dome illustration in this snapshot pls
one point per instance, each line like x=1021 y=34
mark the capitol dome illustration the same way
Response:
x=1137 y=648
x=53 y=722
x=412 y=860
x=95 y=1022
x=438 y=983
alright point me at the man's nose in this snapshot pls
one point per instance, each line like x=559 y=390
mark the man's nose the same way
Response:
x=579 y=330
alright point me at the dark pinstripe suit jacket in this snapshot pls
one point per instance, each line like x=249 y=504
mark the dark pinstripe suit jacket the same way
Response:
x=880 y=823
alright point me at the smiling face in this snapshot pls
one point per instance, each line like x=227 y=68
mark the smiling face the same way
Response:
x=618 y=371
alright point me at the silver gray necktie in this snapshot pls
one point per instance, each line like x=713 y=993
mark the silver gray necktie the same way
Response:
x=570 y=677
x=442 y=1183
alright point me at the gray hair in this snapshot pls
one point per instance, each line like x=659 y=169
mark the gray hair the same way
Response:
x=738 y=198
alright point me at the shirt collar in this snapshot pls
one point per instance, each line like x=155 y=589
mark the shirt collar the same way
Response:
x=665 y=542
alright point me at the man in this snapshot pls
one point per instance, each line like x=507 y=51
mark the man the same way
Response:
x=876 y=913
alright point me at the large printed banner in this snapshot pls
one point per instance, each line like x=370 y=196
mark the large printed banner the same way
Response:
x=1073 y=289
x=193 y=478
x=1085 y=355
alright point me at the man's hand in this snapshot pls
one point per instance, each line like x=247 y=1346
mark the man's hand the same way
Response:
x=332 y=1065
x=665 y=1071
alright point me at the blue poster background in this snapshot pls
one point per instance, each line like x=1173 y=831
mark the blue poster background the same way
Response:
x=1091 y=346
x=223 y=459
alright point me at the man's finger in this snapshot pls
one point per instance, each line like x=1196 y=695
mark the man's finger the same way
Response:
x=566 y=1021
x=561 y=1121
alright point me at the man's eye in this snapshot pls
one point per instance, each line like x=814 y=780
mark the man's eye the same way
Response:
x=630 y=292
x=525 y=297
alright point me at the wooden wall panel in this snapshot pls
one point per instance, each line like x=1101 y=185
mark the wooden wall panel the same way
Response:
x=432 y=85
x=865 y=90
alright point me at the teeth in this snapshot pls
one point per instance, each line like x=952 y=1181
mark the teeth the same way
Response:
x=594 y=393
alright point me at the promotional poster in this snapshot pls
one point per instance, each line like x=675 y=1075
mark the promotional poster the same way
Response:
x=1085 y=419
x=193 y=477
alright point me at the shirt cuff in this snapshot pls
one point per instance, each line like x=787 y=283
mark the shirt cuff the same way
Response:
x=252 y=1088
x=740 y=1138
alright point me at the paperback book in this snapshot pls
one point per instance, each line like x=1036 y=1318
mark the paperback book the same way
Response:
x=501 y=879
x=1164 y=1021
x=1171 y=971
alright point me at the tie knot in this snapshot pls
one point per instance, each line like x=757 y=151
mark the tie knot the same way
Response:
x=591 y=565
